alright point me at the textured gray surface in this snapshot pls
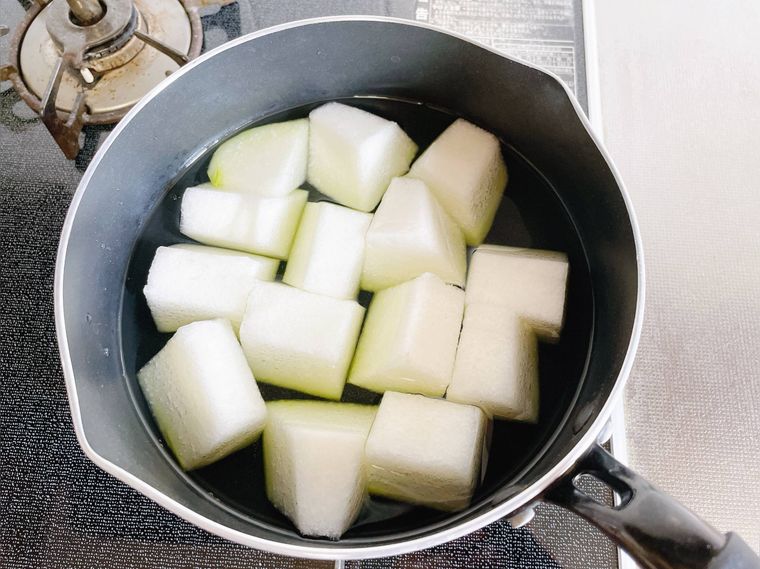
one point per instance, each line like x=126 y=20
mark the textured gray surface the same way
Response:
x=56 y=508
x=548 y=33
x=680 y=95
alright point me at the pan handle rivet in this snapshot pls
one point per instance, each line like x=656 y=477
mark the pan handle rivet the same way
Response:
x=583 y=417
x=522 y=518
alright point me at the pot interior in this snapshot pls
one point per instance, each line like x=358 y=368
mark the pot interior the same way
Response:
x=531 y=215
x=562 y=195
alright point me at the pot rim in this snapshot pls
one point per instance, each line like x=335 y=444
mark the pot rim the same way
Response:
x=514 y=504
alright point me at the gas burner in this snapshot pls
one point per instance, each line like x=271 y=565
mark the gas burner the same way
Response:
x=81 y=62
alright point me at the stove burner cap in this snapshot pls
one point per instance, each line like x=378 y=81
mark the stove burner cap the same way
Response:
x=74 y=38
x=114 y=61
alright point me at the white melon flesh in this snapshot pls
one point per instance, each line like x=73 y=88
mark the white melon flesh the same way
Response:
x=411 y=234
x=354 y=154
x=496 y=365
x=268 y=160
x=466 y=172
x=409 y=340
x=202 y=394
x=256 y=224
x=530 y=281
x=328 y=250
x=187 y=283
x=300 y=340
x=425 y=451
x=314 y=463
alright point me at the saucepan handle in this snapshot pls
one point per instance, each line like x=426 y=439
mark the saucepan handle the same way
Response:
x=657 y=531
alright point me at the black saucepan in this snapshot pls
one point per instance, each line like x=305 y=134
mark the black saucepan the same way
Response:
x=564 y=194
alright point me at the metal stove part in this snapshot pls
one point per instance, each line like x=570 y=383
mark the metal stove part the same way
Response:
x=118 y=51
x=115 y=90
x=85 y=12
x=75 y=41
x=175 y=55
x=80 y=62
x=66 y=130
x=522 y=518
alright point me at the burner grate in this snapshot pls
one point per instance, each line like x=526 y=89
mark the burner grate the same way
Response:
x=77 y=63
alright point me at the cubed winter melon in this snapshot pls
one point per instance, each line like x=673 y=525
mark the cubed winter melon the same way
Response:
x=268 y=160
x=410 y=337
x=466 y=172
x=530 y=281
x=246 y=222
x=202 y=394
x=187 y=283
x=300 y=340
x=425 y=451
x=411 y=234
x=328 y=250
x=354 y=154
x=496 y=366
x=314 y=463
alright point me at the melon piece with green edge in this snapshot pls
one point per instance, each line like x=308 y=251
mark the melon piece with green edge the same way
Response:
x=314 y=463
x=530 y=281
x=202 y=394
x=426 y=451
x=245 y=222
x=496 y=366
x=353 y=154
x=465 y=170
x=409 y=339
x=300 y=340
x=411 y=234
x=188 y=282
x=268 y=160
x=328 y=250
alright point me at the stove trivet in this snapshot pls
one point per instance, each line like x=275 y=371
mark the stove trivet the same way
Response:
x=81 y=62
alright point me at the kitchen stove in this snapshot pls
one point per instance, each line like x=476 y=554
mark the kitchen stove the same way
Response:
x=87 y=62
x=57 y=508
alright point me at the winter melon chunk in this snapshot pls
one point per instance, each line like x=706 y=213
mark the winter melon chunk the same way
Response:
x=465 y=170
x=314 y=463
x=354 y=154
x=328 y=250
x=187 y=283
x=411 y=234
x=496 y=366
x=300 y=340
x=267 y=160
x=256 y=224
x=410 y=338
x=425 y=451
x=530 y=281
x=202 y=394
